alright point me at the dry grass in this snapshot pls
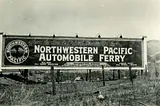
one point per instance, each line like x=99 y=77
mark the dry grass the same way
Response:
x=117 y=93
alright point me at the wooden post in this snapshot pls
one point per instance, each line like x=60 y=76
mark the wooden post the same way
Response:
x=58 y=76
x=103 y=75
x=87 y=76
x=113 y=74
x=119 y=74
x=25 y=75
x=141 y=73
x=90 y=75
x=1 y=49
x=146 y=72
x=156 y=71
x=53 y=81
x=130 y=74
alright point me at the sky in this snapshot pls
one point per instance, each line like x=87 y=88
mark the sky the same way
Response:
x=87 y=18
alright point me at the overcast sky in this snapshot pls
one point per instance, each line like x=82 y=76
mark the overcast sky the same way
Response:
x=131 y=18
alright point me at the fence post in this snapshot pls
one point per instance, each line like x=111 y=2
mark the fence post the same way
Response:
x=53 y=81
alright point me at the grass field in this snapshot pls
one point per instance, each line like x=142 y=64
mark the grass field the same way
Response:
x=143 y=92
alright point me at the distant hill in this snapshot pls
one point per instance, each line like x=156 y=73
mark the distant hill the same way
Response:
x=153 y=50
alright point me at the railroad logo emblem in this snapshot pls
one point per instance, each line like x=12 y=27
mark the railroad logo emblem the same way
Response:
x=17 y=51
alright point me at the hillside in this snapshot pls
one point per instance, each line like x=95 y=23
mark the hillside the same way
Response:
x=153 y=49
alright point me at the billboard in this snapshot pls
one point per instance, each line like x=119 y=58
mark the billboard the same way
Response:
x=71 y=52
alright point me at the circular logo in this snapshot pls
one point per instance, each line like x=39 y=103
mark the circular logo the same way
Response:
x=17 y=51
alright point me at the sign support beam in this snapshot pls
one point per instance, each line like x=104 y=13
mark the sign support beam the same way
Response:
x=113 y=73
x=89 y=75
x=1 y=42
x=145 y=52
x=58 y=75
x=119 y=74
x=53 y=81
x=103 y=75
